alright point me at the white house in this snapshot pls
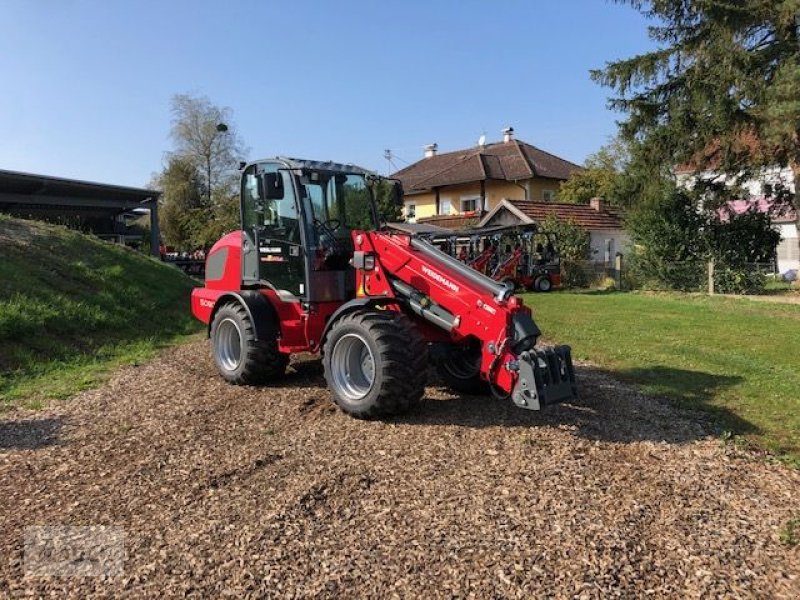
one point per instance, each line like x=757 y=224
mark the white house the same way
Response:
x=759 y=189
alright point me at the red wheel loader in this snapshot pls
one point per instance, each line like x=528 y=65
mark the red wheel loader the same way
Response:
x=312 y=270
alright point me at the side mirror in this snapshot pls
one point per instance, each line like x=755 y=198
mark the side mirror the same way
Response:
x=271 y=184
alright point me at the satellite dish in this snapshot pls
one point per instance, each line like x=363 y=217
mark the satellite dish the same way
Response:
x=482 y=140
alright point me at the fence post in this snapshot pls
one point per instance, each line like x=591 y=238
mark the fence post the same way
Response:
x=711 y=277
x=618 y=271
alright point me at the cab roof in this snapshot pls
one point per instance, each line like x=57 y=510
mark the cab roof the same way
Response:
x=318 y=165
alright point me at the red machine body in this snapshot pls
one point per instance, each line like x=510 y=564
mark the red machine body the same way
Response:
x=476 y=313
x=481 y=262
x=336 y=295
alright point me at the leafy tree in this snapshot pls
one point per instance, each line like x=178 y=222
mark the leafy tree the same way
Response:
x=722 y=90
x=573 y=240
x=200 y=181
x=211 y=223
x=204 y=135
x=674 y=240
x=388 y=210
x=736 y=243
x=573 y=243
x=670 y=252
x=181 y=199
x=602 y=177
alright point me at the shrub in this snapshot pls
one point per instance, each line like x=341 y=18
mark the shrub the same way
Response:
x=742 y=280
x=675 y=238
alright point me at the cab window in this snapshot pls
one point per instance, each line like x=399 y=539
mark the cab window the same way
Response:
x=275 y=218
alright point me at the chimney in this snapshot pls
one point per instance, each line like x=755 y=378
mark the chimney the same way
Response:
x=430 y=150
x=508 y=134
x=596 y=203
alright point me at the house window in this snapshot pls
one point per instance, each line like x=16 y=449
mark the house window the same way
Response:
x=549 y=195
x=444 y=206
x=469 y=203
x=411 y=211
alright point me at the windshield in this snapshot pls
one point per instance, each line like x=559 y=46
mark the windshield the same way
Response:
x=340 y=201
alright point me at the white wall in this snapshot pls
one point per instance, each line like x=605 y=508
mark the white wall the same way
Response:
x=620 y=243
x=755 y=187
x=788 y=250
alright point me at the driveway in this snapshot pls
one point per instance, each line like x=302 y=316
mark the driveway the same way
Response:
x=265 y=492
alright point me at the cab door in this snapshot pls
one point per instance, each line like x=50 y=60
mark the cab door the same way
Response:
x=272 y=244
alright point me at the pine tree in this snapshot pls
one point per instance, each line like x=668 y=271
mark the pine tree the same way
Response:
x=722 y=90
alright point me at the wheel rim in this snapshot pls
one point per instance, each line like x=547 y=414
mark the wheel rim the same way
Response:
x=544 y=285
x=228 y=345
x=353 y=367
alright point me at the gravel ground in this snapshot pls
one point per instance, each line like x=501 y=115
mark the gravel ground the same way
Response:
x=242 y=492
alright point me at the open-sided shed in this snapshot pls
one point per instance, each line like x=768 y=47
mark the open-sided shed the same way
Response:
x=93 y=206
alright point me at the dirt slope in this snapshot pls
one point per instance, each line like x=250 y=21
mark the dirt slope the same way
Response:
x=272 y=492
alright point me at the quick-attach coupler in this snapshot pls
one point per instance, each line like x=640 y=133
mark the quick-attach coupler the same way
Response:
x=545 y=377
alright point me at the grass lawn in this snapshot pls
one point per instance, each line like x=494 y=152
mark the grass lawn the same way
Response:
x=735 y=358
x=73 y=307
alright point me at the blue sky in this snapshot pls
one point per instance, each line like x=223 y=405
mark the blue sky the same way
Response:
x=87 y=84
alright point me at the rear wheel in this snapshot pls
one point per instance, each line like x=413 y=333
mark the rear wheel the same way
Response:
x=543 y=284
x=460 y=368
x=375 y=363
x=240 y=358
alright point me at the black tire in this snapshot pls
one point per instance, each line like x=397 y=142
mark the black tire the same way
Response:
x=460 y=370
x=375 y=363
x=543 y=284
x=254 y=362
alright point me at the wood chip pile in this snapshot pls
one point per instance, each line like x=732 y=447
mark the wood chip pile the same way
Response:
x=271 y=492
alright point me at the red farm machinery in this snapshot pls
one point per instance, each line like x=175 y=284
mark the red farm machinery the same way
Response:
x=520 y=256
x=313 y=270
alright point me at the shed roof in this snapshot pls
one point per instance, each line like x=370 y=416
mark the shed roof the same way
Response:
x=583 y=215
x=30 y=190
x=450 y=221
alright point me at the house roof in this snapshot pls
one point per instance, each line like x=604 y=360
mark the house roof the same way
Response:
x=506 y=161
x=779 y=213
x=450 y=221
x=584 y=215
x=417 y=228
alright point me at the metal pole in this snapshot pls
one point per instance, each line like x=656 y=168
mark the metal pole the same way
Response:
x=155 y=233
x=711 y=277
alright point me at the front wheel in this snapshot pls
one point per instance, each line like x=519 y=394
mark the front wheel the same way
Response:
x=240 y=358
x=375 y=363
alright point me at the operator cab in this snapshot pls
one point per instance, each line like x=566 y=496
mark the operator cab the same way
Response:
x=297 y=221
